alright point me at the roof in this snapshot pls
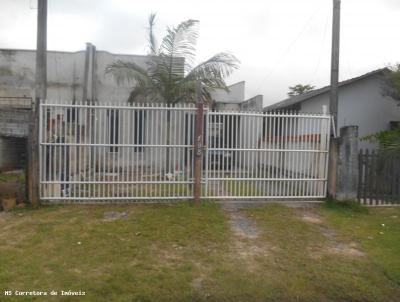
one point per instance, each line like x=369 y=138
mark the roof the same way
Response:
x=305 y=96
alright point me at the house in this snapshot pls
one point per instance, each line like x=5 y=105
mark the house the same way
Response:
x=361 y=102
x=68 y=79
x=80 y=76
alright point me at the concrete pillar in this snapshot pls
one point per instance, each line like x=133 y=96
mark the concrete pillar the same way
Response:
x=347 y=164
x=333 y=167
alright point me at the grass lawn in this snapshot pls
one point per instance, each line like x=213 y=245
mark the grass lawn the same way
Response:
x=183 y=253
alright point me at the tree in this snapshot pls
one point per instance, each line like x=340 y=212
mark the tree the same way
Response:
x=392 y=82
x=389 y=140
x=299 y=89
x=170 y=76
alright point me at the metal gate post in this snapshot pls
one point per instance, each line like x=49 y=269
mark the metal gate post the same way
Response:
x=205 y=148
x=198 y=143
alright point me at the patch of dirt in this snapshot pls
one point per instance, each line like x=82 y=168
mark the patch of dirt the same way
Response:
x=75 y=270
x=4 y=216
x=112 y=216
x=333 y=245
x=247 y=246
x=312 y=219
x=241 y=225
x=308 y=215
x=169 y=257
x=248 y=250
x=198 y=283
x=349 y=250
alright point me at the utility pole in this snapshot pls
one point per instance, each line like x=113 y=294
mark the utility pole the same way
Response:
x=33 y=181
x=333 y=104
x=198 y=143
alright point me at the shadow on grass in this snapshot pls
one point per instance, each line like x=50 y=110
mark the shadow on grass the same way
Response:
x=345 y=206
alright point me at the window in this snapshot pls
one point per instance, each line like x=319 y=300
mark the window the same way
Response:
x=72 y=115
x=138 y=136
x=394 y=125
x=113 y=128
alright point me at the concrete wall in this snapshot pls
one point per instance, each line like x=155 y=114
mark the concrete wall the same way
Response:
x=65 y=75
x=107 y=89
x=343 y=165
x=360 y=103
x=235 y=95
x=14 y=122
x=253 y=104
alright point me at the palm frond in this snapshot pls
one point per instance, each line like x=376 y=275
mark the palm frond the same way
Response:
x=143 y=94
x=213 y=71
x=128 y=72
x=181 y=42
x=152 y=39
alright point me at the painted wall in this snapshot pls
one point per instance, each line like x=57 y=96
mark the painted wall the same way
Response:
x=362 y=104
x=235 y=95
x=253 y=104
x=65 y=74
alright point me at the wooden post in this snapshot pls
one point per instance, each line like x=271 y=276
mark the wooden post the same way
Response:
x=198 y=143
x=360 y=178
x=32 y=181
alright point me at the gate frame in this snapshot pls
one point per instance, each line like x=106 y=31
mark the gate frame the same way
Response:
x=327 y=118
x=201 y=180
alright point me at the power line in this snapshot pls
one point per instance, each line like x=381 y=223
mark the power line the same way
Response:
x=321 y=49
x=31 y=5
x=291 y=45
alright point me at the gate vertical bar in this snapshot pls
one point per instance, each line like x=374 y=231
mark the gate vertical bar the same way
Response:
x=207 y=142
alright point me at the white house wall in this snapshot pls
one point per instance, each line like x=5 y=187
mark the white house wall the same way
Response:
x=362 y=104
x=235 y=95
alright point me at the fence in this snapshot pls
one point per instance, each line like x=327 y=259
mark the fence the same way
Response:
x=266 y=156
x=110 y=152
x=116 y=152
x=379 y=178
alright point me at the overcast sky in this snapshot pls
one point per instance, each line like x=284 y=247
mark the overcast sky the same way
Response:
x=279 y=42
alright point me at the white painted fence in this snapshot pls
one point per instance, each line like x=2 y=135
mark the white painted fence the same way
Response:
x=116 y=152
x=269 y=156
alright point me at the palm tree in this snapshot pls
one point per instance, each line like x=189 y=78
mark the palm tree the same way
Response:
x=170 y=76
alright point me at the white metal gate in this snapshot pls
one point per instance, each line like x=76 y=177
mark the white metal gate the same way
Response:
x=116 y=152
x=267 y=155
